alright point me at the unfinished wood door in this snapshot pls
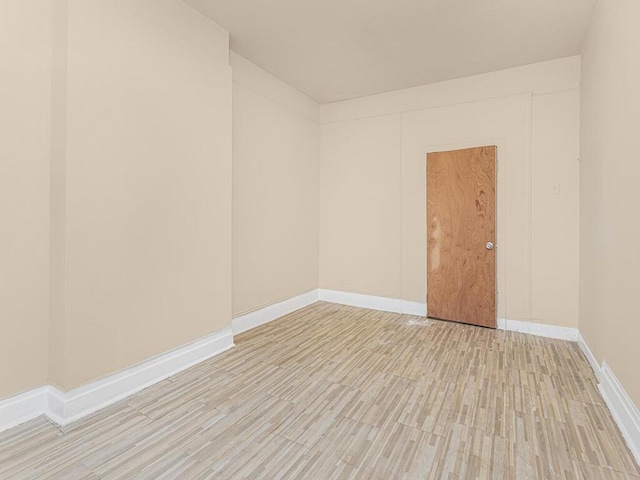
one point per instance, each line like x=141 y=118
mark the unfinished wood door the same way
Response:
x=461 y=235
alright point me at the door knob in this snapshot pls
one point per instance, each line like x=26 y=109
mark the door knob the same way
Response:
x=489 y=246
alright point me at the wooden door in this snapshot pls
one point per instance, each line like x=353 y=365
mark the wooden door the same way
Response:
x=461 y=236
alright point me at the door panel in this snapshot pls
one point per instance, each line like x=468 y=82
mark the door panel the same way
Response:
x=461 y=218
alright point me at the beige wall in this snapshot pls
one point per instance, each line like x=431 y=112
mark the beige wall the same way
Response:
x=360 y=241
x=58 y=194
x=146 y=173
x=609 y=175
x=25 y=91
x=130 y=187
x=555 y=219
x=275 y=189
x=136 y=207
x=372 y=207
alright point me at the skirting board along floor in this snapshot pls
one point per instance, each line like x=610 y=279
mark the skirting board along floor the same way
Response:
x=243 y=323
x=333 y=391
x=539 y=329
x=624 y=411
x=397 y=305
x=584 y=346
x=372 y=302
x=66 y=407
x=267 y=314
x=23 y=407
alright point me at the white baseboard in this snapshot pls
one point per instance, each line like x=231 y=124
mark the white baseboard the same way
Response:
x=539 y=329
x=23 y=407
x=64 y=408
x=384 y=304
x=591 y=358
x=624 y=411
x=267 y=314
x=67 y=407
x=414 y=308
x=397 y=305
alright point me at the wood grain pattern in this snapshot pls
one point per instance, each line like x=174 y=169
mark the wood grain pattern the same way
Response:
x=461 y=219
x=337 y=392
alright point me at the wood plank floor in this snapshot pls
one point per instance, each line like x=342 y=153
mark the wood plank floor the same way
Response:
x=340 y=392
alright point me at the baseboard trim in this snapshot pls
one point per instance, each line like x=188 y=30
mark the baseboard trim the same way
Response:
x=67 y=407
x=539 y=329
x=269 y=313
x=623 y=410
x=591 y=358
x=414 y=308
x=23 y=407
x=384 y=304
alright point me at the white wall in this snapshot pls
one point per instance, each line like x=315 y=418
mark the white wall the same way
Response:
x=360 y=225
x=275 y=189
x=25 y=98
x=609 y=200
x=555 y=221
x=143 y=182
x=373 y=185
x=130 y=187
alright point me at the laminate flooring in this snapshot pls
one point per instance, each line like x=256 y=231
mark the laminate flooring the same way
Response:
x=337 y=392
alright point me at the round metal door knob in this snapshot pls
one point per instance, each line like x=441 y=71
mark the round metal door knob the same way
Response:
x=489 y=246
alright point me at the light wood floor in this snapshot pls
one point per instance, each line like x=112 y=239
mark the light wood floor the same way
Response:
x=339 y=392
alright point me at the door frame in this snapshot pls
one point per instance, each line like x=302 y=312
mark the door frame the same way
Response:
x=501 y=212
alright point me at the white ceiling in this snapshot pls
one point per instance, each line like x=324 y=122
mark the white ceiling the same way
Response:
x=338 y=49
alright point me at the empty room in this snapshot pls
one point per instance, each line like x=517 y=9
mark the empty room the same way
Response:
x=319 y=239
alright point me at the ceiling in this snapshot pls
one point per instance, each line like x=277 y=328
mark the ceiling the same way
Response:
x=334 y=50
